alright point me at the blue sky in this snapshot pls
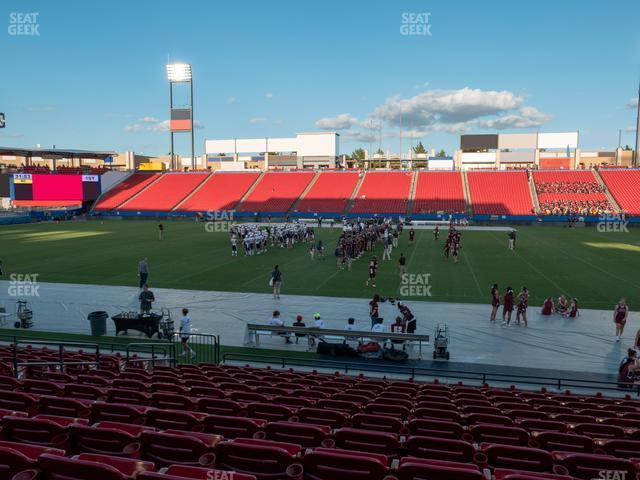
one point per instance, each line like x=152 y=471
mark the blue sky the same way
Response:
x=94 y=77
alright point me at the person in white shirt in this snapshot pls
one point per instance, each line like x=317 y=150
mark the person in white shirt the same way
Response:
x=379 y=327
x=276 y=321
x=185 y=333
x=317 y=321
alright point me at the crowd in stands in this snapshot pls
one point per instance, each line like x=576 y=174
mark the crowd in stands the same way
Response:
x=569 y=187
x=577 y=207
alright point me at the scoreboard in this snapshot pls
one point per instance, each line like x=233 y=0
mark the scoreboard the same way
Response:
x=55 y=187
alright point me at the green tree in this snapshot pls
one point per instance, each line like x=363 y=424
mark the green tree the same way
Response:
x=442 y=153
x=419 y=148
x=358 y=154
x=379 y=152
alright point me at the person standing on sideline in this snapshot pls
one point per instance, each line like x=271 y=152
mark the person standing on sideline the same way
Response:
x=495 y=301
x=374 y=310
x=146 y=297
x=507 y=307
x=620 y=314
x=523 y=302
x=160 y=231
x=143 y=271
x=402 y=264
x=185 y=333
x=276 y=281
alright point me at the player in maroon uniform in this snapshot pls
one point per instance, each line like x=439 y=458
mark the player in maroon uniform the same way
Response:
x=456 y=246
x=373 y=268
x=436 y=233
x=508 y=307
x=412 y=235
x=495 y=301
x=523 y=301
x=620 y=314
x=573 y=309
x=447 y=249
x=547 y=307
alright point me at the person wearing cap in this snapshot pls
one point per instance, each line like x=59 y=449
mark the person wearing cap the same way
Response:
x=301 y=324
x=318 y=324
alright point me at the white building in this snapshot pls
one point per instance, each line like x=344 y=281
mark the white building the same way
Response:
x=305 y=150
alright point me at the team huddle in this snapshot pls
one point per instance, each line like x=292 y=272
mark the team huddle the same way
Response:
x=255 y=238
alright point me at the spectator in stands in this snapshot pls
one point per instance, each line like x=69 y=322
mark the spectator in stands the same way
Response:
x=507 y=308
x=143 y=271
x=374 y=309
x=146 y=297
x=620 y=314
x=299 y=323
x=628 y=369
x=276 y=321
x=185 y=333
x=276 y=281
x=572 y=312
x=547 y=307
x=495 y=301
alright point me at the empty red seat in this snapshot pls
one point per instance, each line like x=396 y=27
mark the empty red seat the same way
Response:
x=598 y=430
x=270 y=412
x=330 y=464
x=620 y=448
x=16 y=457
x=526 y=414
x=35 y=431
x=84 y=391
x=533 y=425
x=474 y=418
x=295 y=402
x=383 y=443
x=411 y=468
x=587 y=466
x=10 y=383
x=130 y=384
x=163 y=419
x=172 y=401
x=318 y=416
x=440 y=448
x=508 y=474
x=565 y=442
x=117 y=412
x=133 y=397
x=380 y=423
x=231 y=427
x=19 y=401
x=65 y=407
x=218 y=406
x=42 y=387
x=390 y=409
x=428 y=427
x=305 y=435
x=90 y=467
x=101 y=440
x=504 y=435
x=438 y=414
x=518 y=458
x=267 y=460
x=167 y=387
x=185 y=448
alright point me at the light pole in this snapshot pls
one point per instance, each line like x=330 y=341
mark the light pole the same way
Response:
x=181 y=119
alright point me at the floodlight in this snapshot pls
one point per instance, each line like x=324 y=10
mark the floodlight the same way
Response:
x=179 y=72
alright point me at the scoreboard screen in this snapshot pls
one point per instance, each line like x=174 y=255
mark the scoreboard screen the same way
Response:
x=55 y=187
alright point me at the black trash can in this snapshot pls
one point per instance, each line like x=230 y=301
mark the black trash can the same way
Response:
x=98 y=321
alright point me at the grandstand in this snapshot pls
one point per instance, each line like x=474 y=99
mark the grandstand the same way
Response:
x=221 y=191
x=276 y=192
x=623 y=185
x=163 y=422
x=330 y=193
x=439 y=192
x=165 y=193
x=125 y=190
x=500 y=193
x=383 y=192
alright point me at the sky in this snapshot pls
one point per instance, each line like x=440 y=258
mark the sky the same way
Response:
x=91 y=75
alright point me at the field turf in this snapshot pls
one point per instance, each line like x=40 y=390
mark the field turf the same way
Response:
x=597 y=268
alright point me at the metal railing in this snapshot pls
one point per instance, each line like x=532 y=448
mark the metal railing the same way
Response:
x=416 y=372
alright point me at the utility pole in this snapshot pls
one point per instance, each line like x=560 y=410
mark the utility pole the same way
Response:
x=635 y=155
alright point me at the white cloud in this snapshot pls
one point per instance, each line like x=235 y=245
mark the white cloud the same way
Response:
x=159 y=126
x=268 y=95
x=364 y=137
x=136 y=127
x=339 y=122
x=149 y=120
x=526 y=117
x=631 y=129
x=421 y=85
x=633 y=102
x=231 y=100
x=255 y=120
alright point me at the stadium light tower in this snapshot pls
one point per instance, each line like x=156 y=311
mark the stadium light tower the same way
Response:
x=181 y=119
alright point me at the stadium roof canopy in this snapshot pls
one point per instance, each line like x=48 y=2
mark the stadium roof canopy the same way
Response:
x=55 y=153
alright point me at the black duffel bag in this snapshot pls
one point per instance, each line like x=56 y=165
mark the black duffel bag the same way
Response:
x=393 y=355
x=336 y=349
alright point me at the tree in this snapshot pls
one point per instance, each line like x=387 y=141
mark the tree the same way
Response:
x=419 y=148
x=358 y=154
x=442 y=153
x=379 y=152
x=626 y=148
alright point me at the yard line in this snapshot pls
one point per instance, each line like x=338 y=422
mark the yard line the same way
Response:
x=473 y=274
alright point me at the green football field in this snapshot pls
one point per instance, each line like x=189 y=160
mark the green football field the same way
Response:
x=597 y=268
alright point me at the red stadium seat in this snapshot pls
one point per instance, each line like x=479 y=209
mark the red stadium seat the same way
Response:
x=565 y=442
x=383 y=192
x=586 y=466
x=305 y=435
x=264 y=459
x=276 y=192
x=329 y=464
x=163 y=419
x=117 y=412
x=35 y=432
x=232 y=427
x=184 y=448
x=106 y=441
x=16 y=457
x=500 y=193
x=440 y=448
x=41 y=387
x=623 y=185
x=125 y=190
x=84 y=391
x=90 y=467
x=439 y=192
x=318 y=416
x=483 y=433
x=221 y=191
x=65 y=407
x=380 y=423
x=518 y=458
x=416 y=468
x=218 y=406
x=269 y=411
x=19 y=401
x=428 y=427
x=330 y=193
x=165 y=193
x=383 y=443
